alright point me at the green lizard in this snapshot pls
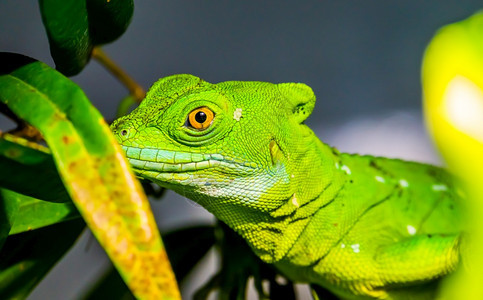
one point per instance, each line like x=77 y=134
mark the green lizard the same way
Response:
x=363 y=227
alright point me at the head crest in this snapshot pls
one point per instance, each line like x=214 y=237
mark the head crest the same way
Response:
x=172 y=87
x=300 y=97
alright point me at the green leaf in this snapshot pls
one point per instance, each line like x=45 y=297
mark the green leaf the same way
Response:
x=185 y=247
x=94 y=171
x=27 y=257
x=452 y=80
x=31 y=170
x=74 y=27
x=67 y=27
x=108 y=20
x=33 y=214
x=9 y=204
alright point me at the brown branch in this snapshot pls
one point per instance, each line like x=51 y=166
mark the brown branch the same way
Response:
x=135 y=89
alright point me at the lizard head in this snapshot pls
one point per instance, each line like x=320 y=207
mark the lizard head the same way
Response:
x=232 y=142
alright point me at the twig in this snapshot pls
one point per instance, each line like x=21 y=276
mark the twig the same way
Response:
x=134 y=88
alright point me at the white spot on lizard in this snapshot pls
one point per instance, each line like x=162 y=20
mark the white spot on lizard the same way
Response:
x=411 y=230
x=380 y=179
x=403 y=183
x=237 y=114
x=342 y=246
x=439 y=187
x=346 y=169
x=355 y=248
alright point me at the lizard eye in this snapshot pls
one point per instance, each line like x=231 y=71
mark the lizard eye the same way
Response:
x=200 y=118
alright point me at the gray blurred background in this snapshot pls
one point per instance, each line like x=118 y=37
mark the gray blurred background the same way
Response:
x=362 y=58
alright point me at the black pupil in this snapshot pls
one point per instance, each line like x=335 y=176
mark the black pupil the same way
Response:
x=200 y=117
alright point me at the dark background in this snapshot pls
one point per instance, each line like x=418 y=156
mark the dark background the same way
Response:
x=362 y=58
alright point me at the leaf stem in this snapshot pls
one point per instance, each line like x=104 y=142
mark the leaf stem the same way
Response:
x=135 y=89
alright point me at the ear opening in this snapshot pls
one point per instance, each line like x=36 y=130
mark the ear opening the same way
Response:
x=300 y=97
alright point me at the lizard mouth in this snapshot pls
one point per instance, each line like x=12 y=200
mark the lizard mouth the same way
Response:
x=157 y=163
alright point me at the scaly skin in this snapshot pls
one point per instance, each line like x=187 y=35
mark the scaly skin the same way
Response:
x=363 y=227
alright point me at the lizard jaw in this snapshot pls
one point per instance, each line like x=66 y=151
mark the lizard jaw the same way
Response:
x=170 y=167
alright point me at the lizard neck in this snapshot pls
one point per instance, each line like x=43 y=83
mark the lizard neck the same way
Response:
x=315 y=176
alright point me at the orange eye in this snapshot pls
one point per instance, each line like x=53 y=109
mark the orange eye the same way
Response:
x=200 y=118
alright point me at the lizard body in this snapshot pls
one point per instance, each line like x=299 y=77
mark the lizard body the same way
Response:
x=363 y=227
